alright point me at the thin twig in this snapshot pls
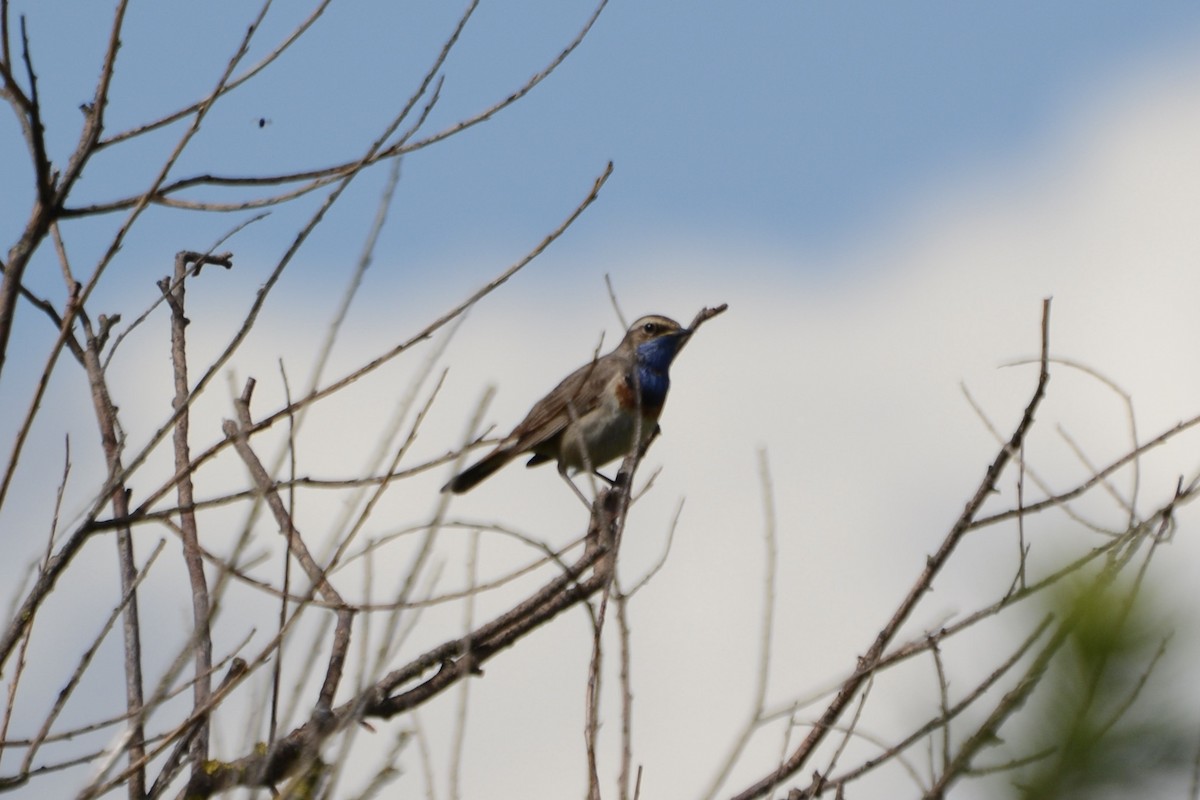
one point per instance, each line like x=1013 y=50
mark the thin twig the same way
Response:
x=464 y=692
x=762 y=675
x=296 y=545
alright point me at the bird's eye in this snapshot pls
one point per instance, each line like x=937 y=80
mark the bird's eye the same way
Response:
x=650 y=327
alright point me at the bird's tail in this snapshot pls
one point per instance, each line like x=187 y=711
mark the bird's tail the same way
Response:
x=466 y=480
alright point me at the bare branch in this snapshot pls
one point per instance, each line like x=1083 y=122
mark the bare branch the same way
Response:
x=174 y=293
x=800 y=756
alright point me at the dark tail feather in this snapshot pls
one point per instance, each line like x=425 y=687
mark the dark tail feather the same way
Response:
x=467 y=479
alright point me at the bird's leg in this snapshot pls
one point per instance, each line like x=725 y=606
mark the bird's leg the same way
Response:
x=605 y=478
x=563 y=472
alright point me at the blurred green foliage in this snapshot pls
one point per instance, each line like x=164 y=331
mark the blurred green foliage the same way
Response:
x=1103 y=723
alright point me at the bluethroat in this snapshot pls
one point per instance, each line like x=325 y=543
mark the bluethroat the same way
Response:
x=599 y=413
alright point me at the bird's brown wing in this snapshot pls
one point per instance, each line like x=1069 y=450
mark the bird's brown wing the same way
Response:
x=577 y=394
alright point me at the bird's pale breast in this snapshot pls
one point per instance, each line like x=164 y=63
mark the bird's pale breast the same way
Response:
x=608 y=431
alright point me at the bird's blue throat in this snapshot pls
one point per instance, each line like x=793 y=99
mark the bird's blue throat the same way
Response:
x=653 y=360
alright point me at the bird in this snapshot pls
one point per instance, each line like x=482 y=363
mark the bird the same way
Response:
x=599 y=412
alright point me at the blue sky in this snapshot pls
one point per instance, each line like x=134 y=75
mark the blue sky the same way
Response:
x=883 y=193
x=794 y=124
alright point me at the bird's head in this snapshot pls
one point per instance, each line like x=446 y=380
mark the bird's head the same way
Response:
x=655 y=338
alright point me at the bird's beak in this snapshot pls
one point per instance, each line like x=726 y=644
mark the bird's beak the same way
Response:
x=682 y=335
